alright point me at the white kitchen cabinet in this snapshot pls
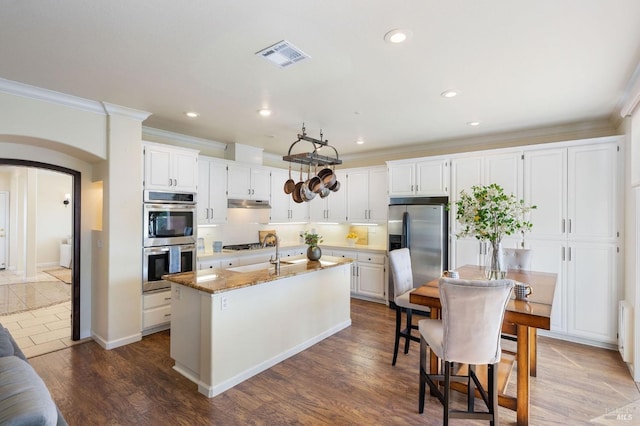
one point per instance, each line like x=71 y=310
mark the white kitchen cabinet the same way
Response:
x=585 y=300
x=212 y=191
x=575 y=234
x=371 y=276
x=156 y=311
x=283 y=208
x=169 y=168
x=208 y=264
x=427 y=178
x=248 y=182
x=575 y=191
x=368 y=274
x=367 y=197
x=505 y=169
x=332 y=208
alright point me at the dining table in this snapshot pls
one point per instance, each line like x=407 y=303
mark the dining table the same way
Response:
x=522 y=318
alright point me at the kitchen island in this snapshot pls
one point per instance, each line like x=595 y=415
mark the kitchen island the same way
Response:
x=228 y=325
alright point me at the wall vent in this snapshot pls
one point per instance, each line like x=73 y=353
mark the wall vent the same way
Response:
x=283 y=54
x=625 y=329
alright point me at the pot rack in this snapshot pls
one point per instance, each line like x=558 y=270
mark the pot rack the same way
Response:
x=312 y=158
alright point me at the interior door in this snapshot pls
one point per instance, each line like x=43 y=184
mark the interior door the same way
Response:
x=4 y=218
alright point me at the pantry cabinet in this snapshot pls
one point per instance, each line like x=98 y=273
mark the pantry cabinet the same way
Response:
x=575 y=234
x=168 y=168
x=283 y=208
x=212 y=191
x=367 y=197
x=575 y=191
x=425 y=178
x=248 y=182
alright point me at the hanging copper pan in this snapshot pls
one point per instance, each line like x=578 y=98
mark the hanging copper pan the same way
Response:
x=289 y=185
x=296 y=190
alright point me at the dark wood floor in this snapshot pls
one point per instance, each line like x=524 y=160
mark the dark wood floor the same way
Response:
x=346 y=379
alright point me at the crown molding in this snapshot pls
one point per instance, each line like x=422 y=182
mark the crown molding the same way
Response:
x=537 y=135
x=632 y=94
x=113 y=109
x=168 y=136
x=40 y=94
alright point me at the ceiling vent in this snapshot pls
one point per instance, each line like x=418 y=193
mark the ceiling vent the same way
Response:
x=283 y=54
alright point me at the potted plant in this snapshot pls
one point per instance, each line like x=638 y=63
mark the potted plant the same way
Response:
x=312 y=240
x=488 y=214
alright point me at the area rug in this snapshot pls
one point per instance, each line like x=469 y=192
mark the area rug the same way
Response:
x=63 y=274
x=627 y=414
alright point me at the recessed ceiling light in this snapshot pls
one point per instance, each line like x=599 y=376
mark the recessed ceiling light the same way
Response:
x=449 y=93
x=398 y=36
x=265 y=112
x=473 y=123
x=359 y=141
x=191 y=114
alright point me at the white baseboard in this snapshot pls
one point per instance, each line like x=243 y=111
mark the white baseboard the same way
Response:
x=116 y=343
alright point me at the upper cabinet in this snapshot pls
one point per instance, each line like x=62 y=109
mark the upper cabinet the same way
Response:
x=283 y=208
x=367 y=197
x=212 y=191
x=248 y=182
x=424 y=178
x=575 y=191
x=169 y=168
x=503 y=168
x=332 y=208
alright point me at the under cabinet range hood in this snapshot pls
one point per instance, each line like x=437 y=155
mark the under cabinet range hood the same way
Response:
x=236 y=203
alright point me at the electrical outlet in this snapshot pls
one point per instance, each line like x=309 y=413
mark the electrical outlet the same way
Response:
x=177 y=293
x=224 y=303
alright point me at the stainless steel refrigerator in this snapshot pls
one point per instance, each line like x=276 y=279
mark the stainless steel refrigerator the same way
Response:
x=421 y=224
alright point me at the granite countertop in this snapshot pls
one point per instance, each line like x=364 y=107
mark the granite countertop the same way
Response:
x=221 y=280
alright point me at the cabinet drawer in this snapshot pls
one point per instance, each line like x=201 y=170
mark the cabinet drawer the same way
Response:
x=156 y=316
x=348 y=254
x=154 y=300
x=208 y=264
x=371 y=258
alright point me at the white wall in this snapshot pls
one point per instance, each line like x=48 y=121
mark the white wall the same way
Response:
x=78 y=134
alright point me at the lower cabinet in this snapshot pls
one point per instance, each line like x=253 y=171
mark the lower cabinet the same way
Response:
x=585 y=302
x=156 y=311
x=368 y=274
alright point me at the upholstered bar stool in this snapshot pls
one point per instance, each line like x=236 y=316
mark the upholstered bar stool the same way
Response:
x=400 y=261
x=468 y=333
x=518 y=259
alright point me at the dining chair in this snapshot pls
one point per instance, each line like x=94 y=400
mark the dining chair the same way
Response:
x=519 y=259
x=402 y=275
x=468 y=333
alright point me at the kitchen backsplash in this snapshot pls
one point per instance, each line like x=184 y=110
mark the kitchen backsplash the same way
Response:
x=243 y=227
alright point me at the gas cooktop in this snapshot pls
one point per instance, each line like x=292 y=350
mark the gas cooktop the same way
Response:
x=247 y=246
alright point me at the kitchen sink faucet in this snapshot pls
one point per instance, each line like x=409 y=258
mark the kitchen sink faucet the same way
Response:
x=275 y=261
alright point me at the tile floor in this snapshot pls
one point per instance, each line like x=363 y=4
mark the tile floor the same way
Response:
x=43 y=321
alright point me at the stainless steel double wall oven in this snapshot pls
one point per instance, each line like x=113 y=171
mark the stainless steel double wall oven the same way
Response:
x=169 y=223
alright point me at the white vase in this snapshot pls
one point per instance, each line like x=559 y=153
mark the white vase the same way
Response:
x=351 y=242
x=495 y=268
